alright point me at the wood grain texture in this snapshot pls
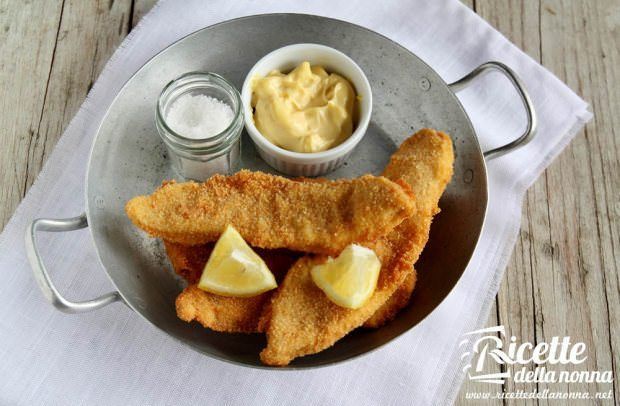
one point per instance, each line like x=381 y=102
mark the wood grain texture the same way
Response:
x=563 y=277
x=140 y=8
x=52 y=52
x=28 y=34
x=89 y=32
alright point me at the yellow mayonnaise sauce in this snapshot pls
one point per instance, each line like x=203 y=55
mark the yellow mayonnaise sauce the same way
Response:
x=306 y=110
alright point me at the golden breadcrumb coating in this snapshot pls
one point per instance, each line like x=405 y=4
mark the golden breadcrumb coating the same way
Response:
x=188 y=260
x=242 y=314
x=274 y=212
x=396 y=302
x=221 y=313
x=301 y=320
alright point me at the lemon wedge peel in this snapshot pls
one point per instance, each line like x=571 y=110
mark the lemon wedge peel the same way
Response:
x=234 y=269
x=350 y=279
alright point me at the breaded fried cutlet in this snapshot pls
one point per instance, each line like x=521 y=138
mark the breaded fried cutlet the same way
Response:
x=221 y=313
x=274 y=212
x=242 y=315
x=301 y=320
x=188 y=261
x=399 y=299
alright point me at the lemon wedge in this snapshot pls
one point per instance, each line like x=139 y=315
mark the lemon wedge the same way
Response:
x=234 y=269
x=351 y=278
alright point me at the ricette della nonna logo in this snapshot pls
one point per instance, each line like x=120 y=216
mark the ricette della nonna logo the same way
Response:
x=493 y=345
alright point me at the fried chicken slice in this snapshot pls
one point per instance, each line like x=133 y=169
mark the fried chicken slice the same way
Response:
x=301 y=320
x=274 y=212
x=242 y=314
x=188 y=261
x=398 y=300
x=221 y=313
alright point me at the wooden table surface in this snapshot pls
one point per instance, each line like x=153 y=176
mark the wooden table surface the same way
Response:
x=563 y=276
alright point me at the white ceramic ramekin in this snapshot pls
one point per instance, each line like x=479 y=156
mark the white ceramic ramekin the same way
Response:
x=286 y=59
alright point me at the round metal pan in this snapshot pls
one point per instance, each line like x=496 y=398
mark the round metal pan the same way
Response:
x=128 y=159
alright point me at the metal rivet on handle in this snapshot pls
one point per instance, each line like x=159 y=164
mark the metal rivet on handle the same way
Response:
x=99 y=202
x=425 y=84
x=139 y=303
x=468 y=176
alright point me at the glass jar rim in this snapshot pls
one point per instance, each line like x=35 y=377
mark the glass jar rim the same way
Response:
x=185 y=142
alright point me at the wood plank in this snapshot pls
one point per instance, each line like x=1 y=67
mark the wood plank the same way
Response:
x=28 y=33
x=89 y=32
x=563 y=277
x=140 y=8
x=470 y=4
x=583 y=235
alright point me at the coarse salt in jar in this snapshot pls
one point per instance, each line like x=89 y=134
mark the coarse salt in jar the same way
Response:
x=200 y=118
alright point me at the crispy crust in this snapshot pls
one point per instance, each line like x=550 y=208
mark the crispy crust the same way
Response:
x=188 y=261
x=301 y=319
x=250 y=315
x=396 y=302
x=221 y=313
x=274 y=212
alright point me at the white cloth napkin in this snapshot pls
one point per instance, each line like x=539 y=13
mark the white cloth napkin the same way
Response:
x=112 y=356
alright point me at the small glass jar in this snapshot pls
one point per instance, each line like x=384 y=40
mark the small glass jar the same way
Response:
x=198 y=159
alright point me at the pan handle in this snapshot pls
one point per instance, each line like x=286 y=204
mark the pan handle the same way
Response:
x=43 y=277
x=532 y=121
